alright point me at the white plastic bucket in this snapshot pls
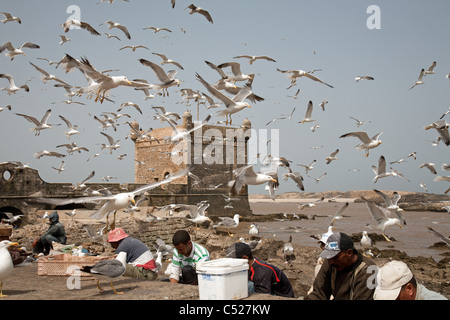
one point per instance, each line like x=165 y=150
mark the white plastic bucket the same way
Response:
x=223 y=279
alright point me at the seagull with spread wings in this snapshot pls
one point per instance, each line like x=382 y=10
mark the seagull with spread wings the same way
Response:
x=47 y=76
x=366 y=142
x=236 y=70
x=380 y=215
x=308 y=114
x=391 y=204
x=380 y=171
x=114 y=202
x=195 y=9
x=441 y=126
x=13 y=88
x=166 y=60
x=232 y=105
x=39 y=125
x=99 y=84
x=294 y=74
x=157 y=29
x=166 y=79
x=9 y=17
x=76 y=24
x=254 y=58
x=112 y=24
x=248 y=176
x=72 y=129
x=13 y=52
x=419 y=80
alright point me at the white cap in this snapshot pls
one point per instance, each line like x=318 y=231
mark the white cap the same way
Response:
x=390 y=278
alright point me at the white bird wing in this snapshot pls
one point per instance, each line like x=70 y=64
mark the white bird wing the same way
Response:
x=219 y=95
x=160 y=73
x=376 y=212
x=309 y=110
x=439 y=235
x=219 y=70
x=46 y=116
x=381 y=165
x=169 y=179
x=310 y=76
x=385 y=197
x=361 y=135
x=110 y=139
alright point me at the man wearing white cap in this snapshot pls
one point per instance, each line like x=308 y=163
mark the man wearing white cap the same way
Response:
x=395 y=281
x=344 y=274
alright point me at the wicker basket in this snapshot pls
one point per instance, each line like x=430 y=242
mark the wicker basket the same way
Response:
x=65 y=264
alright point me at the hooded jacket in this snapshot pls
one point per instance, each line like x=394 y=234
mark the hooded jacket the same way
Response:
x=56 y=228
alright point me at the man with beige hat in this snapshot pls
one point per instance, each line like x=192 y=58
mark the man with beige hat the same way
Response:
x=395 y=281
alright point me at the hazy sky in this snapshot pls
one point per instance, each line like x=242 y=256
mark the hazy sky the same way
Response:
x=342 y=38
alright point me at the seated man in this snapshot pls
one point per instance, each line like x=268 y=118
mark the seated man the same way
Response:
x=139 y=260
x=263 y=277
x=186 y=255
x=395 y=281
x=55 y=233
x=344 y=274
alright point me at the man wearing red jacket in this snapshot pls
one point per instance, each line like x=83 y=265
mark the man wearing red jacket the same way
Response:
x=266 y=278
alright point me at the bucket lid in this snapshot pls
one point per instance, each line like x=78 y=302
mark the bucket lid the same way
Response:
x=224 y=265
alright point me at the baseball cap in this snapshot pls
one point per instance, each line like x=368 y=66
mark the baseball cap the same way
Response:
x=390 y=279
x=336 y=243
x=116 y=235
x=238 y=250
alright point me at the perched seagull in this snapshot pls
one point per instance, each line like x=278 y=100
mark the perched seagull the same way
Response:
x=332 y=156
x=294 y=74
x=73 y=23
x=60 y=168
x=98 y=83
x=296 y=177
x=430 y=70
x=195 y=9
x=253 y=230
x=366 y=242
x=288 y=251
x=441 y=127
x=228 y=223
x=12 y=86
x=72 y=129
x=441 y=236
x=166 y=79
x=9 y=17
x=13 y=52
x=112 y=24
x=367 y=143
x=133 y=48
x=113 y=145
x=71 y=214
x=107 y=269
x=380 y=171
x=47 y=76
x=39 y=125
x=254 y=58
x=236 y=70
x=358 y=78
x=233 y=105
x=6 y=263
x=42 y=153
x=379 y=215
x=156 y=29
x=167 y=60
x=247 y=176
x=419 y=80
x=430 y=167
x=113 y=202
x=308 y=114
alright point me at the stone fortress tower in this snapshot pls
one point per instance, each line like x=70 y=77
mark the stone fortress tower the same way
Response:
x=211 y=152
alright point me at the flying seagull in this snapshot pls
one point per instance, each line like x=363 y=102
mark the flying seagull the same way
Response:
x=98 y=83
x=379 y=214
x=419 y=79
x=39 y=125
x=308 y=114
x=195 y=9
x=166 y=79
x=359 y=78
x=167 y=60
x=73 y=23
x=254 y=58
x=247 y=176
x=294 y=74
x=9 y=17
x=441 y=127
x=12 y=85
x=13 y=52
x=366 y=142
x=112 y=24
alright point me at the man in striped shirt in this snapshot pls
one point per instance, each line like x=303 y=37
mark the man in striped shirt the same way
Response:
x=186 y=255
